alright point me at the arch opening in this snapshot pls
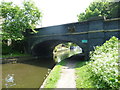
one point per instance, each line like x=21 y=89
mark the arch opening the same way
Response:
x=44 y=49
x=57 y=50
x=66 y=50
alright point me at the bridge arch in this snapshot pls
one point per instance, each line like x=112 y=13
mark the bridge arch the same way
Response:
x=46 y=47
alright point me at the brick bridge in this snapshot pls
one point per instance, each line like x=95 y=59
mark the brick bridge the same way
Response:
x=85 y=34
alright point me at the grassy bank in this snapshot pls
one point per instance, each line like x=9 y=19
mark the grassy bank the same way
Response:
x=102 y=69
x=54 y=75
x=83 y=77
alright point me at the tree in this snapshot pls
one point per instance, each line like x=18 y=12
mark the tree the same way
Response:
x=115 y=9
x=102 y=8
x=18 y=19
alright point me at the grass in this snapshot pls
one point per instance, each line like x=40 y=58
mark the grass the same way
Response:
x=54 y=75
x=83 y=77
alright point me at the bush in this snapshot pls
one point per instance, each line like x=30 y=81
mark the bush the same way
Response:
x=6 y=49
x=18 y=46
x=104 y=64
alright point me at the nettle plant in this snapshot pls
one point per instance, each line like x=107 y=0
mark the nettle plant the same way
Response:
x=104 y=64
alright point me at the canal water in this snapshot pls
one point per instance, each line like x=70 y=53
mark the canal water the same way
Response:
x=30 y=74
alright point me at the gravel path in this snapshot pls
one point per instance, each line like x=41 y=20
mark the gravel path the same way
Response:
x=67 y=79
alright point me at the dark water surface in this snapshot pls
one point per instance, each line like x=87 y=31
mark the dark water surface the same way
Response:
x=29 y=74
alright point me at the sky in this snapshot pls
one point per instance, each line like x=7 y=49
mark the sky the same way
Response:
x=57 y=12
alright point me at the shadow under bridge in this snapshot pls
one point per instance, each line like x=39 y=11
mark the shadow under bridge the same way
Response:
x=45 y=48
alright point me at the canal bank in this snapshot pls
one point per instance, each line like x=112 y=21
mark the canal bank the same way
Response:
x=16 y=59
x=54 y=76
x=63 y=75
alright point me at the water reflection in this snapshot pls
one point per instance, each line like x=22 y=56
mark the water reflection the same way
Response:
x=10 y=80
x=30 y=74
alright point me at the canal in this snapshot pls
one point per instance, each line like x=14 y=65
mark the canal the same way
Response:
x=30 y=74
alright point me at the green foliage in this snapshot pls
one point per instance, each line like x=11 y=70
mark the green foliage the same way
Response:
x=104 y=65
x=100 y=9
x=18 y=19
x=83 y=77
x=6 y=49
x=115 y=9
x=15 y=54
x=16 y=47
x=53 y=77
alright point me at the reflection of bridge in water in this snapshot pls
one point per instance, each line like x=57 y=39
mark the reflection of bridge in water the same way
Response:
x=85 y=34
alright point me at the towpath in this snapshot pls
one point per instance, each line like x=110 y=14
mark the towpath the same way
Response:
x=67 y=79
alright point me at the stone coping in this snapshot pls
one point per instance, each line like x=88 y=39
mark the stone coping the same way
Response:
x=16 y=59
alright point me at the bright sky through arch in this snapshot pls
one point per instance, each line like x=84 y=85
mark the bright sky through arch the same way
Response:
x=56 y=12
